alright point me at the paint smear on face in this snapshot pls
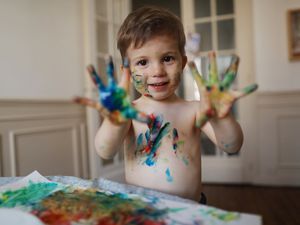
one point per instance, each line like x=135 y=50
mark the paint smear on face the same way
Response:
x=168 y=174
x=88 y=206
x=154 y=135
x=140 y=84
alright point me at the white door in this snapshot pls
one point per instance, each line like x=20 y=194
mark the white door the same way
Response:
x=224 y=26
x=101 y=19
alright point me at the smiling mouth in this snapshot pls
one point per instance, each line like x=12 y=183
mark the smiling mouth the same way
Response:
x=158 y=84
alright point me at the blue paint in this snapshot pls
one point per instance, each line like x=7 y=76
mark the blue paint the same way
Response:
x=153 y=136
x=175 y=140
x=115 y=98
x=140 y=140
x=168 y=174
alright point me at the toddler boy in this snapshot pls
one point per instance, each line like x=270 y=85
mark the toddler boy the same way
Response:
x=161 y=131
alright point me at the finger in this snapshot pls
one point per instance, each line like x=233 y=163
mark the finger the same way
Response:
x=230 y=73
x=245 y=91
x=197 y=76
x=95 y=77
x=88 y=102
x=110 y=70
x=125 y=79
x=213 y=71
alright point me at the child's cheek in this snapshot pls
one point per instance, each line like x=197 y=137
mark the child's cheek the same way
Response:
x=140 y=84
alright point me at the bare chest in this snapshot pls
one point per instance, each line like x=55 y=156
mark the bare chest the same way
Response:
x=165 y=140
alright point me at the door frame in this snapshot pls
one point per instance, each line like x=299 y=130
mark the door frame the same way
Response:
x=238 y=169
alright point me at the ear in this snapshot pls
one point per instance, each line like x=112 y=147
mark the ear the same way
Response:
x=184 y=61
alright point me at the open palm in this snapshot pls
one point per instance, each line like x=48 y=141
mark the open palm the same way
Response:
x=114 y=101
x=216 y=97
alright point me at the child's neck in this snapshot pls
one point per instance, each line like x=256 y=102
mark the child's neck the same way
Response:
x=171 y=99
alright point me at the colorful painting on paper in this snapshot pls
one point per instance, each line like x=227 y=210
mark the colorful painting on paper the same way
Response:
x=58 y=204
x=90 y=206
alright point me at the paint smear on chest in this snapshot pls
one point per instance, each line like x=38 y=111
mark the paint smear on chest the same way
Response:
x=153 y=136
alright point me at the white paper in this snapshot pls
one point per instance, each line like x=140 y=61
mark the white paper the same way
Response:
x=34 y=177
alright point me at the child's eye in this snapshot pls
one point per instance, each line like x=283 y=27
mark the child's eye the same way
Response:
x=168 y=58
x=142 y=62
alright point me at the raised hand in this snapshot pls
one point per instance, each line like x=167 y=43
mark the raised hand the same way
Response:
x=216 y=97
x=114 y=102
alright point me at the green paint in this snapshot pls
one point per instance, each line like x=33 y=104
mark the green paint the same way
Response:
x=88 y=206
x=228 y=80
x=140 y=84
x=230 y=73
x=27 y=195
x=180 y=143
x=220 y=214
x=185 y=160
x=154 y=135
x=175 y=210
x=250 y=88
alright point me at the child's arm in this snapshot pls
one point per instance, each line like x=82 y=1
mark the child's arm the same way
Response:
x=225 y=132
x=216 y=102
x=115 y=107
x=110 y=137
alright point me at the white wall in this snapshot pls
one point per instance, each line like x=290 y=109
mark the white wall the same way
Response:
x=41 y=49
x=274 y=71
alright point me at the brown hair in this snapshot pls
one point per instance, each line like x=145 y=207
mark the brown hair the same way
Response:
x=146 y=23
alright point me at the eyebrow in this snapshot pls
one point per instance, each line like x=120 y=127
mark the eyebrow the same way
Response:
x=144 y=56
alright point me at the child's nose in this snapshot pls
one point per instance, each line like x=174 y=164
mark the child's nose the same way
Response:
x=158 y=70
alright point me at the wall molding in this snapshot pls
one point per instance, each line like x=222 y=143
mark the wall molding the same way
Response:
x=286 y=165
x=278 y=99
x=29 y=117
x=278 y=116
x=38 y=109
x=1 y=156
x=13 y=135
x=40 y=117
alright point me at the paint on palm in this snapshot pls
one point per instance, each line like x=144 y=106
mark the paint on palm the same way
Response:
x=115 y=98
x=216 y=96
x=81 y=206
x=114 y=101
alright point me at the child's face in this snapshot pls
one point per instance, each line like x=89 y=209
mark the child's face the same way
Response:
x=156 y=67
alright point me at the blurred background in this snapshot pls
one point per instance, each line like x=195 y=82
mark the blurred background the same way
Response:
x=45 y=46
